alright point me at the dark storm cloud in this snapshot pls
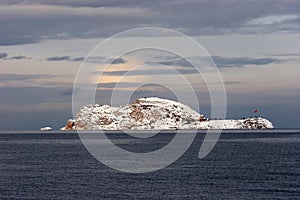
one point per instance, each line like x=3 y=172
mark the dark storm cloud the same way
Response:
x=23 y=23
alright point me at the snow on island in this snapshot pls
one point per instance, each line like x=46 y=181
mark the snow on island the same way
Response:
x=47 y=128
x=154 y=113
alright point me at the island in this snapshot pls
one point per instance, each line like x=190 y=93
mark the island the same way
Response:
x=154 y=113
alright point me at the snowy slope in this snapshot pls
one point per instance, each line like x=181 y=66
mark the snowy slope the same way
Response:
x=47 y=128
x=248 y=123
x=155 y=113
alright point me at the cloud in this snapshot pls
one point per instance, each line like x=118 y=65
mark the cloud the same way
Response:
x=3 y=55
x=60 y=58
x=112 y=85
x=22 y=77
x=80 y=3
x=23 y=23
x=221 y=62
x=273 y=19
x=177 y=62
x=118 y=61
x=91 y=59
x=286 y=54
x=65 y=58
x=73 y=22
x=18 y=57
x=283 y=23
x=33 y=80
x=78 y=59
x=157 y=71
x=243 y=61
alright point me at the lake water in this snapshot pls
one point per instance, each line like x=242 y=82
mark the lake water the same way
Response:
x=243 y=165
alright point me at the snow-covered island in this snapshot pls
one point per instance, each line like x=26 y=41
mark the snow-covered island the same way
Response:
x=154 y=113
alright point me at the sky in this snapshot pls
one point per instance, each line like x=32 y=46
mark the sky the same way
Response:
x=255 y=45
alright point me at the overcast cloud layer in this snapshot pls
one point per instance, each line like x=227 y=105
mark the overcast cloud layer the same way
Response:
x=31 y=21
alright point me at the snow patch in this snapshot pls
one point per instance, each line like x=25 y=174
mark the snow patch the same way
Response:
x=47 y=128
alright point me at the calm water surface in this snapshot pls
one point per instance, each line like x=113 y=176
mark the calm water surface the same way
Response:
x=243 y=165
